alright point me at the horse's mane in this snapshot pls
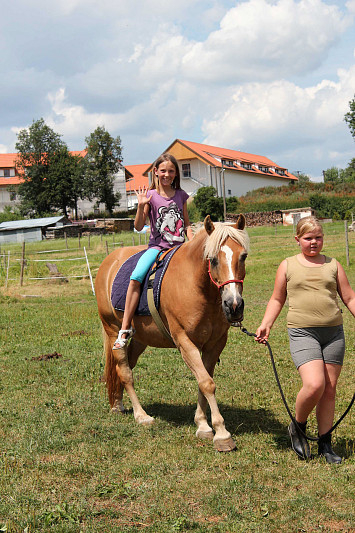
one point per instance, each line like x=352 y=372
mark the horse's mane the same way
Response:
x=220 y=234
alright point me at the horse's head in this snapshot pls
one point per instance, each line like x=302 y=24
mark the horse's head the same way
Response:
x=226 y=248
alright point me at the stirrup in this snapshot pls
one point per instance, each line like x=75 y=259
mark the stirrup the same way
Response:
x=120 y=342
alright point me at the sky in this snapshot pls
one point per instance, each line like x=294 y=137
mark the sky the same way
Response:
x=267 y=77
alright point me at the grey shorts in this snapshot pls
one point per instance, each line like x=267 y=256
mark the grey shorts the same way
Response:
x=308 y=344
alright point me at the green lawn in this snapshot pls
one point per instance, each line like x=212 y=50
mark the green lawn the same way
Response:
x=68 y=465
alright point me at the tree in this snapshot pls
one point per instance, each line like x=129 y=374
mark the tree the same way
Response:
x=207 y=203
x=66 y=180
x=349 y=172
x=36 y=147
x=332 y=175
x=303 y=179
x=350 y=117
x=104 y=156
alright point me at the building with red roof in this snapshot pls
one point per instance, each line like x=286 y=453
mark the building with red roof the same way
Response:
x=231 y=171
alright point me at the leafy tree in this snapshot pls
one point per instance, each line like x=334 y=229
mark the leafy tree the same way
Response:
x=350 y=117
x=104 y=156
x=207 y=203
x=303 y=179
x=36 y=147
x=66 y=180
x=332 y=175
x=349 y=172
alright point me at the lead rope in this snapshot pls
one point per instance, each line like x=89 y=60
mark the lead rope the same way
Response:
x=314 y=439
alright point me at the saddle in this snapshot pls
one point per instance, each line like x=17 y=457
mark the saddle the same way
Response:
x=151 y=287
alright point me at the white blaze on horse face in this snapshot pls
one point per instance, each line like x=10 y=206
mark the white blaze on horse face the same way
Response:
x=229 y=256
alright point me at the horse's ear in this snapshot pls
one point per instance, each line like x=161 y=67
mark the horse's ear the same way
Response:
x=240 y=224
x=209 y=226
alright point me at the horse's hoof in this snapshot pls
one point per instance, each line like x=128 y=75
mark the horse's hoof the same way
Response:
x=224 y=445
x=145 y=420
x=206 y=435
x=119 y=409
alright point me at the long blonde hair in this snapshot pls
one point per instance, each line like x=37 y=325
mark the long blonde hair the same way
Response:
x=161 y=159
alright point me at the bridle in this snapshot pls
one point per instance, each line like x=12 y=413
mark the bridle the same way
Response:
x=220 y=285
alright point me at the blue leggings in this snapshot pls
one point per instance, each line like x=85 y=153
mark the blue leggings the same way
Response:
x=144 y=264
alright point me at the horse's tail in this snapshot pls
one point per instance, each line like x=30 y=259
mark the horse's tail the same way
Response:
x=113 y=383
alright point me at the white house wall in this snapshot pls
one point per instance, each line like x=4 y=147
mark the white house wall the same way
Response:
x=238 y=183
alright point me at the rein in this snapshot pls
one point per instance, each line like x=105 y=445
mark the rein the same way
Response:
x=220 y=285
x=315 y=439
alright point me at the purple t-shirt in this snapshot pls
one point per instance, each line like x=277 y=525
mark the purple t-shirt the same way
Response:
x=167 y=225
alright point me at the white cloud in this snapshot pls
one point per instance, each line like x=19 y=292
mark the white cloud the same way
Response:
x=258 y=40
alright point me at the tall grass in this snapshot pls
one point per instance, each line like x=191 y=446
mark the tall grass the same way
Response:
x=68 y=465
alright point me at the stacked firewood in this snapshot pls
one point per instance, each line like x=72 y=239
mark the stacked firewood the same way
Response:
x=261 y=218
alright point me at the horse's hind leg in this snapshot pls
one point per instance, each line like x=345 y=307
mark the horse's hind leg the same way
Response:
x=124 y=358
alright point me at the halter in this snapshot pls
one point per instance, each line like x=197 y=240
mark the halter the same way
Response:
x=225 y=282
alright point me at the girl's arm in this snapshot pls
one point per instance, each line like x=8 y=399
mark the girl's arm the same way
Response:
x=142 y=208
x=275 y=304
x=346 y=293
x=188 y=229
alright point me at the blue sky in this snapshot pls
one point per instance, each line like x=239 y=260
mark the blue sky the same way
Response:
x=267 y=77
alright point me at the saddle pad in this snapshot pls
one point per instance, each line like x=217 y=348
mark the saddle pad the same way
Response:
x=122 y=279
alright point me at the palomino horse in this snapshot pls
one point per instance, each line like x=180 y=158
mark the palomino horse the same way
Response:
x=201 y=296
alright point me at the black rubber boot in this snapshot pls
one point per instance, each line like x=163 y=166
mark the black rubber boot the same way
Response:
x=325 y=449
x=298 y=441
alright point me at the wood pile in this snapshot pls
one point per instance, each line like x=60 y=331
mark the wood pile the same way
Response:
x=115 y=225
x=261 y=218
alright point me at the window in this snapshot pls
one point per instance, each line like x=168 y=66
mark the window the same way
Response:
x=247 y=166
x=229 y=192
x=6 y=172
x=186 y=170
x=13 y=196
x=227 y=162
x=263 y=169
x=280 y=171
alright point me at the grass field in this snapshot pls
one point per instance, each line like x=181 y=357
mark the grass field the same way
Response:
x=68 y=465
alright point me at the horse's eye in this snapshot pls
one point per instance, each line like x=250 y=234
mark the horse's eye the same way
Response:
x=214 y=261
x=243 y=257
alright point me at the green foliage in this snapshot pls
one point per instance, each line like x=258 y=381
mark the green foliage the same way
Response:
x=208 y=203
x=66 y=180
x=334 y=198
x=332 y=175
x=350 y=117
x=10 y=213
x=232 y=204
x=104 y=156
x=36 y=147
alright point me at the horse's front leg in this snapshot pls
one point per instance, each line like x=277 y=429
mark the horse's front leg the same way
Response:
x=222 y=439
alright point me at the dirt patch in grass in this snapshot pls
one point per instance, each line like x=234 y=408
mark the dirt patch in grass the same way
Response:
x=47 y=356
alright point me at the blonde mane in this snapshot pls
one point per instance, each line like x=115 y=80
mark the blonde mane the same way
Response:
x=220 y=234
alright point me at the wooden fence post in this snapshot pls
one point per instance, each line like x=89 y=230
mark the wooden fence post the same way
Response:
x=107 y=252
x=22 y=263
x=347 y=242
x=66 y=239
x=7 y=269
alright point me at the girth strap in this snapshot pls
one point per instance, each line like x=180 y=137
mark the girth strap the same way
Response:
x=150 y=298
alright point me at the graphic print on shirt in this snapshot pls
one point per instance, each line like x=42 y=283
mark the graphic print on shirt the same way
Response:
x=170 y=223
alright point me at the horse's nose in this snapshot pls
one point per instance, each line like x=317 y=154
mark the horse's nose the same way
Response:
x=233 y=306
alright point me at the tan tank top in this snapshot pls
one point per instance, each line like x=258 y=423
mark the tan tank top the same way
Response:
x=312 y=294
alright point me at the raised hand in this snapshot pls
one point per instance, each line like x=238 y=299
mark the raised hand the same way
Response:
x=141 y=194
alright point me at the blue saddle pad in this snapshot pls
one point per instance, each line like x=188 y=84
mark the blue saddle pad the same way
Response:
x=122 y=279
